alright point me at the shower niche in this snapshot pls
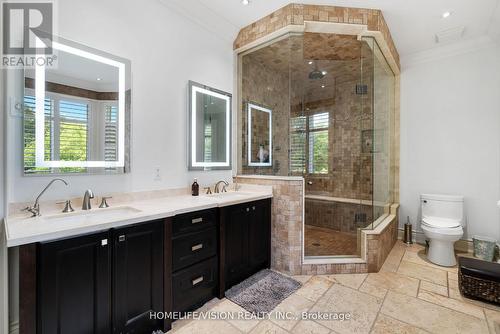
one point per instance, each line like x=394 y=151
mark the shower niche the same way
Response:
x=332 y=119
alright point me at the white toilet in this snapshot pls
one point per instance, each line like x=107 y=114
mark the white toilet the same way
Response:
x=442 y=223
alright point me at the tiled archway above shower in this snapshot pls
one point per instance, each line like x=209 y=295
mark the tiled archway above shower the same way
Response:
x=299 y=14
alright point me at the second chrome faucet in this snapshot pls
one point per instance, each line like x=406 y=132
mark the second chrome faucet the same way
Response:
x=86 y=205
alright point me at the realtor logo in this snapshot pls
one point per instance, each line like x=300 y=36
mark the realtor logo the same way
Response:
x=27 y=28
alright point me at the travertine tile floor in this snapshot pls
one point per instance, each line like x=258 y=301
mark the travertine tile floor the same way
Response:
x=409 y=295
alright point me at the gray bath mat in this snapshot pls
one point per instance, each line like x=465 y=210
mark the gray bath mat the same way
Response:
x=263 y=291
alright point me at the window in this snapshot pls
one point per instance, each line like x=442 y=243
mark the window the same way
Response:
x=309 y=144
x=73 y=131
x=29 y=133
x=66 y=132
x=208 y=142
x=318 y=144
x=110 y=133
x=297 y=144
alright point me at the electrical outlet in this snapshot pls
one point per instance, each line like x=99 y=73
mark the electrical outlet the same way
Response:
x=15 y=107
x=157 y=173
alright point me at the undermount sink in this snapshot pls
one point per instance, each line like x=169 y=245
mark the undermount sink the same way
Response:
x=88 y=215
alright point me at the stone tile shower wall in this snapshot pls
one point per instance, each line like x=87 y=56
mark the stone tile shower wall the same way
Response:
x=275 y=76
x=373 y=19
x=350 y=174
x=267 y=87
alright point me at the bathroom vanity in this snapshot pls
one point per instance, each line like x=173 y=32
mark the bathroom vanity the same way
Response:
x=111 y=278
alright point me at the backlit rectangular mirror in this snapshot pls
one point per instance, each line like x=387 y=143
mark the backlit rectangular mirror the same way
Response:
x=209 y=128
x=77 y=113
x=260 y=136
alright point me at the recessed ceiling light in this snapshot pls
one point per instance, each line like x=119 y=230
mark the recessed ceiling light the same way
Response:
x=324 y=72
x=310 y=62
x=98 y=79
x=245 y=2
x=322 y=86
x=446 y=15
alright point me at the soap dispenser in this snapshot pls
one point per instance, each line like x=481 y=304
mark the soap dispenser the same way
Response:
x=195 y=188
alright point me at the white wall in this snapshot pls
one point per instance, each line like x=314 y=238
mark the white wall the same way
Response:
x=450 y=131
x=166 y=50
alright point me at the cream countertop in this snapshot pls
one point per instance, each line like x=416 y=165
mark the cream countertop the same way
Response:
x=22 y=230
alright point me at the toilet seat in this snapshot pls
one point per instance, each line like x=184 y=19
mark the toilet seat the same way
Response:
x=448 y=231
x=438 y=222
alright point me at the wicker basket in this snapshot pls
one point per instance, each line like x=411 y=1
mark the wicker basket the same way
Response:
x=478 y=287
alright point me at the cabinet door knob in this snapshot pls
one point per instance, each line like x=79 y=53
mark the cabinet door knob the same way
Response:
x=121 y=238
x=104 y=242
x=196 y=220
x=197 y=280
x=196 y=247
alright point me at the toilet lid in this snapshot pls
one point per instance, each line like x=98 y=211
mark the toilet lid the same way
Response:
x=440 y=222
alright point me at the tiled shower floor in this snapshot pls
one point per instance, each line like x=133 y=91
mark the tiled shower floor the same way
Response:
x=321 y=241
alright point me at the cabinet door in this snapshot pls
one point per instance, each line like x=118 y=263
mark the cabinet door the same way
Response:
x=259 y=235
x=74 y=291
x=137 y=277
x=235 y=227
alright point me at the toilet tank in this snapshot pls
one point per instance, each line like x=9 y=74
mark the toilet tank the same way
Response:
x=442 y=206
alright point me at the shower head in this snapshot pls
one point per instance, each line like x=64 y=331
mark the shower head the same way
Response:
x=316 y=74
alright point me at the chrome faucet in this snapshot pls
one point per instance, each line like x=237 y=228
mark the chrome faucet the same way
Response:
x=35 y=209
x=86 y=200
x=216 y=187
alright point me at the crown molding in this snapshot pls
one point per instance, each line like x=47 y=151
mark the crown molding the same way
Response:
x=446 y=51
x=206 y=18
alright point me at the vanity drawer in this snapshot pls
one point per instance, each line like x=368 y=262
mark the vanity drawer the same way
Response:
x=193 y=247
x=193 y=286
x=194 y=221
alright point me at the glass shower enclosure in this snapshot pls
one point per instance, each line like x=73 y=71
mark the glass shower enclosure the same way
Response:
x=321 y=106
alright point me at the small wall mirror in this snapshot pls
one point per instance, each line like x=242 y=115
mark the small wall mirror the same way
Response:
x=209 y=128
x=77 y=113
x=260 y=148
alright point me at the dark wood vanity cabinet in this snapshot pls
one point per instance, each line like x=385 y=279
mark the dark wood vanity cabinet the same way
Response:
x=194 y=259
x=105 y=282
x=74 y=285
x=245 y=246
x=109 y=282
x=137 y=277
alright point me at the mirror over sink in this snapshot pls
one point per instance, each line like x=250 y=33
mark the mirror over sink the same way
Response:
x=77 y=113
x=209 y=128
x=260 y=135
